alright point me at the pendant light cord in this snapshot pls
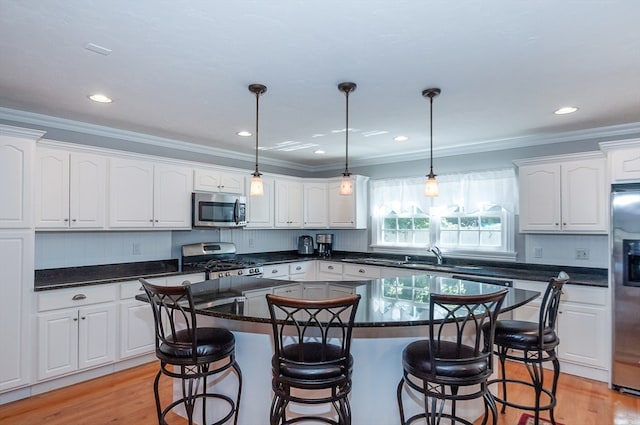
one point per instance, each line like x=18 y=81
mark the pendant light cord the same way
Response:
x=346 y=130
x=431 y=136
x=256 y=172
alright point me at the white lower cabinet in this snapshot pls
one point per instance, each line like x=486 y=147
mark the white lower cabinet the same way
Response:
x=255 y=304
x=76 y=329
x=583 y=326
x=276 y=271
x=329 y=270
x=137 y=333
x=359 y=271
x=302 y=270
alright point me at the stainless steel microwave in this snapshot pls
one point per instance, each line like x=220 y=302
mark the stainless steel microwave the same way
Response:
x=218 y=210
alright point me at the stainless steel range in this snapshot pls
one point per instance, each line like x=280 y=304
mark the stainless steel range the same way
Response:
x=219 y=260
x=224 y=269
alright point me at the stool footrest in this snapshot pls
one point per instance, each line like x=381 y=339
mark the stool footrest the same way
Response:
x=549 y=406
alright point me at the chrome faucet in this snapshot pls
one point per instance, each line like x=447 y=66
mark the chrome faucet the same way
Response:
x=436 y=251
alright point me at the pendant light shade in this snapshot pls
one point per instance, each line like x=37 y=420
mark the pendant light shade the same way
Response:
x=256 y=188
x=346 y=185
x=431 y=184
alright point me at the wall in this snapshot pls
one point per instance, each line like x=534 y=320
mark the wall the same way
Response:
x=70 y=249
x=561 y=250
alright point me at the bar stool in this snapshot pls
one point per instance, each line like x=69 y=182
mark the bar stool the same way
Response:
x=190 y=353
x=532 y=344
x=454 y=356
x=312 y=362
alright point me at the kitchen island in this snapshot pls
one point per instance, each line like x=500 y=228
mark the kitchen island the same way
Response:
x=390 y=316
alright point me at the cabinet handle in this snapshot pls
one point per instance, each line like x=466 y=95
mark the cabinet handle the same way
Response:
x=74 y=220
x=79 y=297
x=150 y=220
x=564 y=224
x=298 y=268
x=330 y=267
x=83 y=317
x=361 y=271
x=557 y=224
x=66 y=220
x=274 y=271
x=75 y=319
x=141 y=289
x=156 y=221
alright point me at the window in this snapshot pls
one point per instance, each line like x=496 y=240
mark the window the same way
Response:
x=474 y=212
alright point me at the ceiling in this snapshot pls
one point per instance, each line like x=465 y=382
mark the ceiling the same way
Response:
x=179 y=70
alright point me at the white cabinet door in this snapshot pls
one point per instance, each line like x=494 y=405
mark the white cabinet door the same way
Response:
x=52 y=189
x=351 y=211
x=255 y=304
x=16 y=284
x=359 y=271
x=260 y=209
x=314 y=291
x=583 y=330
x=567 y=196
x=70 y=190
x=96 y=335
x=288 y=203
x=315 y=209
x=540 y=197
x=57 y=343
x=87 y=191
x=16 y=168
x=137 y=333
x=584 y=196
x=329 y=271
x=215 y=180
x=172 y=196
x=302 y=270
x=625 y=164
x=130 y=193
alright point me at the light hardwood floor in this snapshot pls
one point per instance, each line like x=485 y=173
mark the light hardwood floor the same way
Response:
x=127 y=398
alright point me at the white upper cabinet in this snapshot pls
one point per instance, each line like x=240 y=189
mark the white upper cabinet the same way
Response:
x=564 y=195
x=172 y=196
x=315 y=208
x=260 y=209
x=17 y=147
x=624 y=160
x=288 y=203
x=144 y=195
x=348 y=211
x=214 y=180
x=70 y=190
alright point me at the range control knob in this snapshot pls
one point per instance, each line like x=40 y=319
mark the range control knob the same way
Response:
x=221 y=274
x=227 y=273
x=239 y=272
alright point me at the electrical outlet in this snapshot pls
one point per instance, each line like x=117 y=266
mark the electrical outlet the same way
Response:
x=136 y=248
x=582 y=254
x=537 y=252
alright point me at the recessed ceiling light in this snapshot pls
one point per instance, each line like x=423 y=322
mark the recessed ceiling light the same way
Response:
x=400 y=138
x=319 y=152
x=244 y=133
x=100 y=98
x=566 y=110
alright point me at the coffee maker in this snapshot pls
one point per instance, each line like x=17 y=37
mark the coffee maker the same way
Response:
x=325 y=244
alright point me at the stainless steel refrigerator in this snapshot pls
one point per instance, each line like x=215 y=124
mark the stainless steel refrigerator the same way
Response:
x=625 y=223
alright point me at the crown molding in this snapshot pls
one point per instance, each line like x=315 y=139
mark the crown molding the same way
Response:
x=23 y=133
x=46 y=121
x=600 y=134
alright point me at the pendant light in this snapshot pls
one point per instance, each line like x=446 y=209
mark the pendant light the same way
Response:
x=346 y=184
x=256 y=180
x=431 y=184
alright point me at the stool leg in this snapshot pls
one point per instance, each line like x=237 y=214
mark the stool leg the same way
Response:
x=157 y=395
x=236 y=367
x=502 y=356
x=399 y=395
x=556 y=375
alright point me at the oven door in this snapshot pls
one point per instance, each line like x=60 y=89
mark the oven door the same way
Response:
x=218 y=210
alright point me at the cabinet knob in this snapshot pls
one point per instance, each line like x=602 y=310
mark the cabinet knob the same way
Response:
x=83 y=317
x=330 y=267
x=557 y=224
x=150 y=220
x=66 y=219
x=274 y=271
x=564 y=224
x=361 y=271
x=79 y=297
x=75 y=319
x=156 y=221
x=298 y=268
x=74 y=220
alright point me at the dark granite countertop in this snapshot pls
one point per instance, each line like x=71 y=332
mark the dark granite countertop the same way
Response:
x=385 y=302
x=47 y=279
x=588 y=276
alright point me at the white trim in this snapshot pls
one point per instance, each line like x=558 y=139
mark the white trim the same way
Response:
x=26 y=133
x=560 y=158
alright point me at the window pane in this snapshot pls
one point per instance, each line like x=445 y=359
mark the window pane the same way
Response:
x=421 y=237
x=421 y=223
x=470 y=238
x=449 y=237
x=389 y=223
x=469 y=222
x=449 y=223
x=404 y=236
x=405 y=223
x=492 y=223
x=389 y=236
x=491 y=238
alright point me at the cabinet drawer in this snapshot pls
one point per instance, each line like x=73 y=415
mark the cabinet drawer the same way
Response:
x=330 y=267
x=584 y=295
x=75 y=297
x=299 y=268
x=180 y=279
x=361 y=271
x=130 y=289
x=275 y=270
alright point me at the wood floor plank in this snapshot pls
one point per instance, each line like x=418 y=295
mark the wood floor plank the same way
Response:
x=127 y=398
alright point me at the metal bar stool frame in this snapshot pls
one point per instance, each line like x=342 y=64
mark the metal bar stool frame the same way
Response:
x=312 y=351
x=186 y=352
x=532 y=344
x=438 y=366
